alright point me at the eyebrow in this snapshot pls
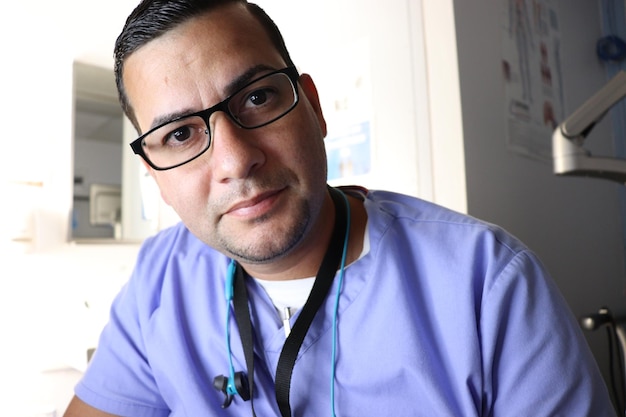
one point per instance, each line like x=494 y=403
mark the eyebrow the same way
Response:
x=166 y=118
x=232 y=87
x=243 y=79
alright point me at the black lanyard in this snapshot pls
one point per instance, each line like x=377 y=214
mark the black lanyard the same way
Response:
x=321 y=286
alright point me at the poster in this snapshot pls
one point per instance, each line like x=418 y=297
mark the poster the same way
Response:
x=348 y=110
x=348 y=151
x=531 y=69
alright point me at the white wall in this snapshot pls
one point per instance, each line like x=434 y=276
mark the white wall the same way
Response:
x=45 y=326
x=574 y=224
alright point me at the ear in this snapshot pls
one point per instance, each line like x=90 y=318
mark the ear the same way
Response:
x=310 y=91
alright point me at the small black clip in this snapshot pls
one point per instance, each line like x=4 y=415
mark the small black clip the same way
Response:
x=241 y=387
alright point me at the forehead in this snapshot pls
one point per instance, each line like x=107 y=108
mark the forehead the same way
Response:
x=189 y=67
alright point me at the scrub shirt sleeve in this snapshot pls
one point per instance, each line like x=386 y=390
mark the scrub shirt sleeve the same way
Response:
x=537 y=361
x=119 y=379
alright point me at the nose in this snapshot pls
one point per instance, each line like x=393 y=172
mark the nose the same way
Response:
x=236 y=153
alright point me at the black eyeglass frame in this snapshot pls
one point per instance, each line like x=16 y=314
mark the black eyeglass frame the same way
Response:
x=291 y=72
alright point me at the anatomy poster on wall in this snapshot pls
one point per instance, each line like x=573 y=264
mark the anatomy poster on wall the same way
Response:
x=531 y=69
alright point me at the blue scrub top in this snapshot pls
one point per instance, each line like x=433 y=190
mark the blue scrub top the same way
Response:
x=444 y=316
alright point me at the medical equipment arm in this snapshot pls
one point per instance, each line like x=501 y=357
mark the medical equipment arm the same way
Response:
x=569 y=156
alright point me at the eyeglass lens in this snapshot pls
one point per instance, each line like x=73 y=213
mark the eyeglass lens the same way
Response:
x=258 y=104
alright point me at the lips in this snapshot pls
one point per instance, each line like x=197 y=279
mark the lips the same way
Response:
x=255 y=206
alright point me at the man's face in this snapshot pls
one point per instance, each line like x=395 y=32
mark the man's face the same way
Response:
x=255 y=194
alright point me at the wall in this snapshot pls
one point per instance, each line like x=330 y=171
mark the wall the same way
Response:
x=37 y=111
x=574 y=224
x=45 y=283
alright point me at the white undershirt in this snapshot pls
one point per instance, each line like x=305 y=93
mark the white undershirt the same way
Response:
x=290 y=295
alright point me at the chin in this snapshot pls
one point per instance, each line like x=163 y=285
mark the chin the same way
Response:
x=266 y=242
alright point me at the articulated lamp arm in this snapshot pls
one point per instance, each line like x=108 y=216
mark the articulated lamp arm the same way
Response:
x=569 y=156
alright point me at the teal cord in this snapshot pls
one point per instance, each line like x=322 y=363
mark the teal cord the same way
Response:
x=338 y=293
x=228 y=295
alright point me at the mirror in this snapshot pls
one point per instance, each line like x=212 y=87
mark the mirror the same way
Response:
x=97 y=147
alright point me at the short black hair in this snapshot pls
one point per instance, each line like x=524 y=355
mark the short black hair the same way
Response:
x=153 y=18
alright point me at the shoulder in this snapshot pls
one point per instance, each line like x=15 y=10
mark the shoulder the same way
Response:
x=431 y=241
x=170 y=244
x=173 y=261
x=177 y=236
x=408 y=207
x=388 y=211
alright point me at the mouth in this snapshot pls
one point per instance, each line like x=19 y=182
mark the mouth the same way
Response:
x=256 y=206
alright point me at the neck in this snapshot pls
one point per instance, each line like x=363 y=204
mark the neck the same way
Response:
x=304 y=261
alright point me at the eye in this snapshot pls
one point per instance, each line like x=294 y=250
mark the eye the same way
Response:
x=262 y=101
x=181 y=134
x=258 y=97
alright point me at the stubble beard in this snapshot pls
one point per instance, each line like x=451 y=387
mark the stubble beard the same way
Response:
x=276 y=245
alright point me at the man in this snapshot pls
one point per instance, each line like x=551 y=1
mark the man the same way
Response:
x=237 y=311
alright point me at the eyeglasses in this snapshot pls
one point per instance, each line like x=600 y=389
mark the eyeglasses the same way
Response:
x=185 y=138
